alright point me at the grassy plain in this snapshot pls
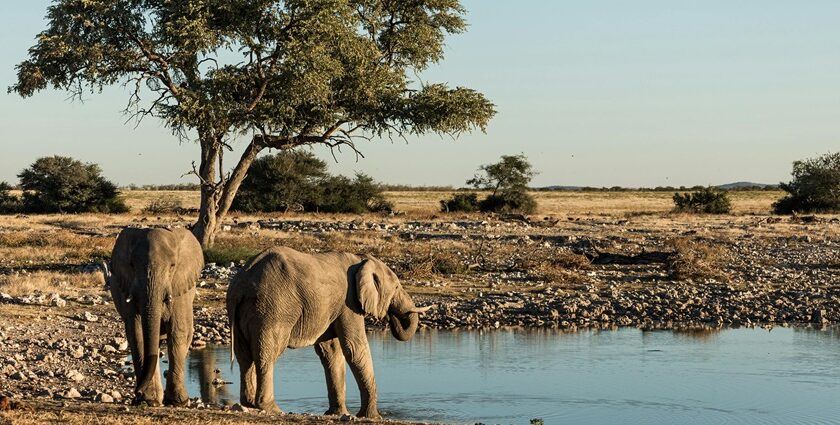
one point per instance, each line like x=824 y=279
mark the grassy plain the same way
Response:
x=424 y=203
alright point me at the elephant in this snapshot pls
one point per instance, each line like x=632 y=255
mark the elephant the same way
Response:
x=283 y=298
x=152 y=280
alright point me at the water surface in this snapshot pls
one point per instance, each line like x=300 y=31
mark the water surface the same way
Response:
x=737 y=376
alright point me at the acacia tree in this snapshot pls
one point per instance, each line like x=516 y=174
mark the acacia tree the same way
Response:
x=268 y=73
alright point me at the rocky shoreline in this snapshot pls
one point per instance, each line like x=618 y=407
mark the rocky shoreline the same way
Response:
x=748 y=271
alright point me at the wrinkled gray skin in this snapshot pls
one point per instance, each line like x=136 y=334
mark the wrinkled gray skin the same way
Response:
x=287 y=299
x=153 y=275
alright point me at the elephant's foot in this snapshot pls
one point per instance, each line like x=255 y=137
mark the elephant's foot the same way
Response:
x=176 y=401
x=270 y=408
x=337 y=411
x=139 y=399
x=370 y=412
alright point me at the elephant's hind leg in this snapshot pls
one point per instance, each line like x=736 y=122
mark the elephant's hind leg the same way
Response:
x=268 y=347
x=247 y=372
x=334 y=368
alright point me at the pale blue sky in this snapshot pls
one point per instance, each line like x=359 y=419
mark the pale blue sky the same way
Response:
x=595 y=92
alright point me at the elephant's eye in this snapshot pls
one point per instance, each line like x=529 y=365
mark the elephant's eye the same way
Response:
x=172 y=265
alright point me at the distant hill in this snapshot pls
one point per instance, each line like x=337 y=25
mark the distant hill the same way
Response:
x=727 y=186
x=741 y=185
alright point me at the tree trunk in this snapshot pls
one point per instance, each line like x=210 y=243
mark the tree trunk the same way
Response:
x=217 y=197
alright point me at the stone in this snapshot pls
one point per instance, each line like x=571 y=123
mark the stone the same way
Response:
x=71 y=393
x=75 y=376
x=104 y=398
x=116 y=395
x=57 y=301
x=239 y=408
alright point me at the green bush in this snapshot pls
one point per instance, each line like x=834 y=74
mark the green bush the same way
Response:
x=9 y=204
x=508 y=182
x=339 y=194
x=298 y=181
x=59 y=184
x=227 y=255
x=287 y=181
x=707 y=200
x=815 y=187
x=507 y=201
x=460 y=202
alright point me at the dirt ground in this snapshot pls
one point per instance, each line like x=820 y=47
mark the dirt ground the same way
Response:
x=603 y=259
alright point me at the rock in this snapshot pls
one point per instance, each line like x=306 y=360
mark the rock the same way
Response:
x=18 y=376
x=120 y=343
x=239 y=408
x=109 y=349
x=87 y=317
x=347 y=418
x=57 y=301
x=71 y=393
x=116 y=395
x=103 y=398
x=75 y=376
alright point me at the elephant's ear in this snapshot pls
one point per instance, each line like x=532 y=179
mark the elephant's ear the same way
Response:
x=368 y=287
x=190 y=261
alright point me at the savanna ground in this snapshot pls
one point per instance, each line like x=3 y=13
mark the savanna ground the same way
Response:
x=585 y=259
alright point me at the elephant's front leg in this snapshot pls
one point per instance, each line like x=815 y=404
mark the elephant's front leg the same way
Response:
x=354 y=345
x=178 y=343
x=334 y=368
x=134 y=335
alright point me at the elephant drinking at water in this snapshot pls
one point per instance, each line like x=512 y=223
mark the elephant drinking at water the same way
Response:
x=152 y=280
x=287 y=299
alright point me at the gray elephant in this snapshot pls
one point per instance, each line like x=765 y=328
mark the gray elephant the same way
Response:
x=287 y=299
x=152 y=279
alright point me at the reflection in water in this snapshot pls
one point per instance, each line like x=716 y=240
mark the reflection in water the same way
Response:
x=625 y=376
x=202 y=364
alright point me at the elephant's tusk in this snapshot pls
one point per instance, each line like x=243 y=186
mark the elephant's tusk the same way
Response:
x=419 y=310
x=128 y=300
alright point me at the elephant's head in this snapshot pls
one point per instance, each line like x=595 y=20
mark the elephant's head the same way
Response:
x=380 y=293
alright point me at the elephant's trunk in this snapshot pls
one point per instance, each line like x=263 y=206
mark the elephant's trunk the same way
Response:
x=151 y=318
x=403 y=319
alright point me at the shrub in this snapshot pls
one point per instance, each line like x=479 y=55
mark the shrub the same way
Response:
x=287 y=181
x=59 y=184
x=707 y=200
x=9 y=204
x=815 y=186
x=166 y=205
x=460 y=202
x=227 y=255
x=507 y=201
x=298 y=181
x=339 y=194
x=507 y=180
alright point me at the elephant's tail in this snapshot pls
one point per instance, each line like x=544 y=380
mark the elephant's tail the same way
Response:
x=232 y=319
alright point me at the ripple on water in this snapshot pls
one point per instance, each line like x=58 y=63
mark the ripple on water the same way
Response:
x=739 y=376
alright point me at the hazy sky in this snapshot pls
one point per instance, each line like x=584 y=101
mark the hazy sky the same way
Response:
x=595 y=92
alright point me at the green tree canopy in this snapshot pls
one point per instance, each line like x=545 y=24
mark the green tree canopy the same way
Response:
x=815 y=186
x=511 y=172
x=278 y=74
x=59 y=184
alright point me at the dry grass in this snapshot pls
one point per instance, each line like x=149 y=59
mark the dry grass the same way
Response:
x=696 y=259
x=51 y=282
x=423 y=204
x=51 y=247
